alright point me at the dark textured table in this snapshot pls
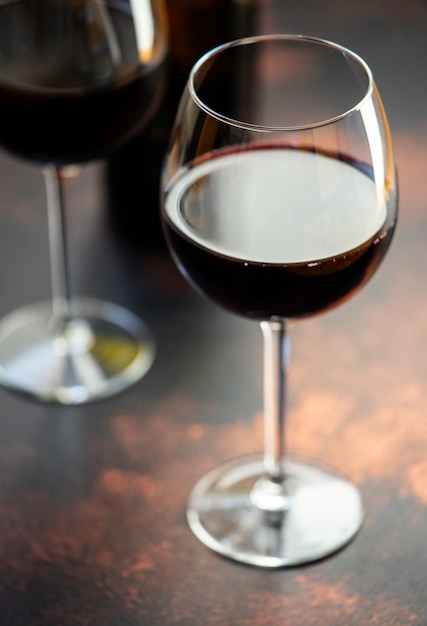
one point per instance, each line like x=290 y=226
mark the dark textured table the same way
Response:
x=92 y=499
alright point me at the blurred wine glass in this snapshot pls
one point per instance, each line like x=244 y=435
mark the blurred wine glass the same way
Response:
x=78 y=78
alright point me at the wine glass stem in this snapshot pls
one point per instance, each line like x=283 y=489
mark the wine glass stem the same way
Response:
x=276 y=358
x=57 y=244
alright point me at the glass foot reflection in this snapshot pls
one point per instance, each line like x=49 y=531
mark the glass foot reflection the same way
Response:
x=319 y=514
x=100 y=352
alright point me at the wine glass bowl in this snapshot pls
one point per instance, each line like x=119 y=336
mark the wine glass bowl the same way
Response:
x=83 y=82
x=279 y=203
x=77 y=80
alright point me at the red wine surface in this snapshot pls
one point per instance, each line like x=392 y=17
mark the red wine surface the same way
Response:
x=277 y=232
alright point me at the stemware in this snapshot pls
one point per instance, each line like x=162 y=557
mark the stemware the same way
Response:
x=77 y=79
x=279 y=203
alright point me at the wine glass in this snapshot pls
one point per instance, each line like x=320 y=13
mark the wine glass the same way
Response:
x=278 y=203
x=77 y=79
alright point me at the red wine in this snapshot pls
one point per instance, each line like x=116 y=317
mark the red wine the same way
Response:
x=277 y=232
x=75 y=82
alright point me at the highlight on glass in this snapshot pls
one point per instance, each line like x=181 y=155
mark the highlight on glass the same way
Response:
x=279 y=202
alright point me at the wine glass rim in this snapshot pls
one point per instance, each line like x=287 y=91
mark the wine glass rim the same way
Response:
x=279 y=37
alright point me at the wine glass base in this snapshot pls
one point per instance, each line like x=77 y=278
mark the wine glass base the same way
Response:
x=103 y=350
x=322 y=513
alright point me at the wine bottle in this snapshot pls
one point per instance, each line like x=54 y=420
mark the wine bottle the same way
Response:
x=133 y=171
